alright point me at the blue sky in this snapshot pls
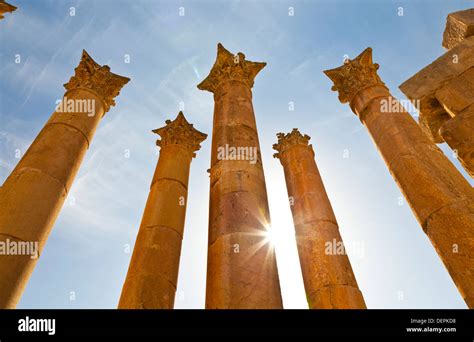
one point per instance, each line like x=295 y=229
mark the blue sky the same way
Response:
x=86 y=258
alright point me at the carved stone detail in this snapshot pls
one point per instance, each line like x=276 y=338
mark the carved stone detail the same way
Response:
x=230 y=67
x=180 y=132
x=355 y=75
x=93 y=76
x=459 y=26
x=285 y=141
x=5 y=8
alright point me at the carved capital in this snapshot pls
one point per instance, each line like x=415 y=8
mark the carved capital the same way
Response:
x=6 y=8
x=355 y=75
x=230 y=67
x=97 y=78
x=180 y=132
x=286 y=141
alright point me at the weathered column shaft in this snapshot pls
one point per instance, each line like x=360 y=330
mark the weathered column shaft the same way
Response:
x=327 y=274
x=242 y=270
x=152 y=276
x=438 y=194
x=33 y=194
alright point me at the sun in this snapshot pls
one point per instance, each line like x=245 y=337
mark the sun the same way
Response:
x=273 y=235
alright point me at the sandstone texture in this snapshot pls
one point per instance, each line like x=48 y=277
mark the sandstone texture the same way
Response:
x=242 y=271
x=440 y=197
x=152 y=276
x=327 y=274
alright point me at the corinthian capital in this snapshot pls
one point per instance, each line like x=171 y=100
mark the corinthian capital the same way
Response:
x=230 y=67
x=6 y=8
x=97 y=78
x=354 y=75
x=286 y=141
x=180 y=132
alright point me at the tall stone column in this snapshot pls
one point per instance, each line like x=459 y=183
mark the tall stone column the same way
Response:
x=327 y=273
x=152 y=276
x=33 y=194
x=440 y=197
x=444 y=90
x=241 y=269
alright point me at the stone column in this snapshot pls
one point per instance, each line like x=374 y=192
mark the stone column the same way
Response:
x=444 y=90
x=440 y=197
x=327 y=273
x=33 y=194
x=152 y=276
x=5 y=7
x=242 y=271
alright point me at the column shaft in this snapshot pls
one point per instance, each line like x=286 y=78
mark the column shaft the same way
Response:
x=438 y=194
x=328 y=277
x=152 y=276
x=242 y=269
x=33 y=194
x=440 y=197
